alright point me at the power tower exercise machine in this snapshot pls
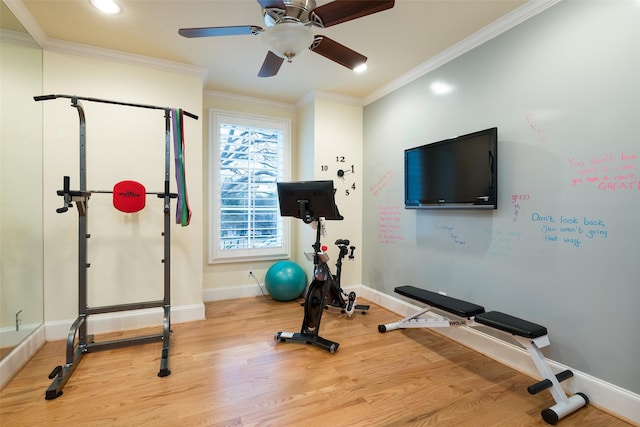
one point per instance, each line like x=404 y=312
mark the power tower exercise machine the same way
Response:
x=310 y=201
x=79 y=342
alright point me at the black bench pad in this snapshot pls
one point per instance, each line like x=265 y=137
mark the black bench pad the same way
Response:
x=511 y=324
x=455 y=306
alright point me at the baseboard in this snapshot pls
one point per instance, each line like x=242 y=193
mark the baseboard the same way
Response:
x=243 y=291
x=608 y=397
x=19 y=356
x=232 y=292
x=9 y=337
x=125 y=321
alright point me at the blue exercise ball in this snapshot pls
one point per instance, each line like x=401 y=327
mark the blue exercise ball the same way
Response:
x=285 y=280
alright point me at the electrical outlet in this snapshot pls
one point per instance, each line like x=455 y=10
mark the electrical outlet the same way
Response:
x=18 y=320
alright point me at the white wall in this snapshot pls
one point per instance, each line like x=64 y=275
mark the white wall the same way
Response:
x=125 y=250
x=338 y=144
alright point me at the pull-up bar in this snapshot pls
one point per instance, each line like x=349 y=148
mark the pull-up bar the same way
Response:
x=129 y=199
x=106 y=101
x=183 y=212
x=157 y=193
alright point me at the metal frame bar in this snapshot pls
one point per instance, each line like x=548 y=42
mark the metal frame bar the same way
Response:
x=75 y=351
x=416 y=320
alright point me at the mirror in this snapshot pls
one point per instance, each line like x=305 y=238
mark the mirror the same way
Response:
x=21 y=180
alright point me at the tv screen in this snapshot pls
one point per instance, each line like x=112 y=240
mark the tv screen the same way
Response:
x=460 y=172
x=308 y=200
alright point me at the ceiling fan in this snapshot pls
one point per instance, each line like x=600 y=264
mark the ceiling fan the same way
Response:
x=288 y=30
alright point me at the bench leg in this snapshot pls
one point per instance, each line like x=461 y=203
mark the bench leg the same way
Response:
x=399 y=324
x=415 y=321
x=564 y=405
x=560 y=410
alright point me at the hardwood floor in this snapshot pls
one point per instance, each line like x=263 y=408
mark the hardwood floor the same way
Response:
x=4 y=351
x=229 y=371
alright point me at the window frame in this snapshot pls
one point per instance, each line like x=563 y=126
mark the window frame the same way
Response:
x=217 y=255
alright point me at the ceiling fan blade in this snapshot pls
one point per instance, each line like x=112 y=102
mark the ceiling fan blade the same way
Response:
x=339 y=11
x=272 y=4
x=238 y=30
x=337 y=52
x=271 y=65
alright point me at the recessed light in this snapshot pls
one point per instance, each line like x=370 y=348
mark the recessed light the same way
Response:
x=109 y=7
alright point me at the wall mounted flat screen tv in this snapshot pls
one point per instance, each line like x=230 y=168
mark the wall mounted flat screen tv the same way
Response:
x=460 y=172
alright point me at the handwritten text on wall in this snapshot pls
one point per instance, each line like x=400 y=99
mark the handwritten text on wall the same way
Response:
x=606 y=172
x=572 y=230
x=382 y=182
x=451 y=233
x=390 y=224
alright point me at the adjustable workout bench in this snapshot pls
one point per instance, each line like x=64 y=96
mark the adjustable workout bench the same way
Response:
x=530 y=335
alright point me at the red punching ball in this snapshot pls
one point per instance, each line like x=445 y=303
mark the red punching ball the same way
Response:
x=129 y=196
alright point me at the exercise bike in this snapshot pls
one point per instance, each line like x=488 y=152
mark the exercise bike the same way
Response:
x=337 y=299
x=311 y=201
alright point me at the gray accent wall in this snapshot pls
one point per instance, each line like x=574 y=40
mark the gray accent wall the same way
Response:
x=562 y=248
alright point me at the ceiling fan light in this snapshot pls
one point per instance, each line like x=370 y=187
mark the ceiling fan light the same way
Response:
x=288 y=39
x=360 y=68
x=110 y=7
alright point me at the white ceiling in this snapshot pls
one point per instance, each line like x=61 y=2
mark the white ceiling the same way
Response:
x=397 y=42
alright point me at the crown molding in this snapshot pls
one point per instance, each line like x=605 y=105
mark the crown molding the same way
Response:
x=18 y=8
x=510 y=20
x=17 y=38
x=248 y=99
x=28 y=22
x=54 y=45
x=517 y=16
x=314 y=95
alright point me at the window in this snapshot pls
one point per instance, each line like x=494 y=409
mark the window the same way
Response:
x=249 y=154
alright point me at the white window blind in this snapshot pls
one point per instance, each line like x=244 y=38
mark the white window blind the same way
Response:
x=250 y=155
